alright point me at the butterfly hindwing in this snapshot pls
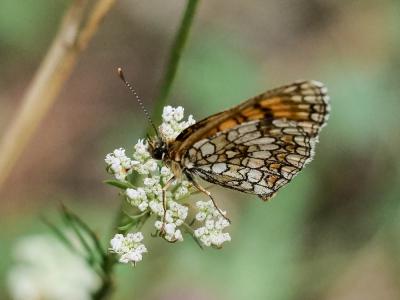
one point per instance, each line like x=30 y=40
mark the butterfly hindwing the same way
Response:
x=256 y=157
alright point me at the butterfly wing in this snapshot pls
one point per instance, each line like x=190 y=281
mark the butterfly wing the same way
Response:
x=256 y=157
x=259 y=145
x=305 y=102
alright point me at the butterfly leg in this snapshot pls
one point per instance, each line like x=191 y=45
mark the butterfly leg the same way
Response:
x=204 y=191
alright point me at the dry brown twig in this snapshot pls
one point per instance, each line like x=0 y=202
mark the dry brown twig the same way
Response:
x=56 y=67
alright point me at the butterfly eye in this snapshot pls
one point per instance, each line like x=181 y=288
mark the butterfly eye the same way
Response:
x=159 y=153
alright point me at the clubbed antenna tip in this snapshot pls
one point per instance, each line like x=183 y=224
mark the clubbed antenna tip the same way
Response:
x=121 y=74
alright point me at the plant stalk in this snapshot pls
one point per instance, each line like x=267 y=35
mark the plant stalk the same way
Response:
x=175 y=55
x=71 y=39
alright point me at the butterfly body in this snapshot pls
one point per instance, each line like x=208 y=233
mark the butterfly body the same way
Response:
x=255 y=147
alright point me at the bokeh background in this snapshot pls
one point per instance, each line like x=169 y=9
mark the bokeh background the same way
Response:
x=333 y=233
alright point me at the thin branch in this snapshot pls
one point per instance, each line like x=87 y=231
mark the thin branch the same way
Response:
x=174 y=57
x=95 y=18
x=56 y=67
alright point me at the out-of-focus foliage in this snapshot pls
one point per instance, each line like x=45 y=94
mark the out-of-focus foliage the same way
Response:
x=333 y=233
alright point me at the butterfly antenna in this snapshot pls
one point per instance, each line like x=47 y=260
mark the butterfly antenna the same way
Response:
x=130 y=87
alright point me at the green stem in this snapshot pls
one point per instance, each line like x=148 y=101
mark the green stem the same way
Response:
x=165 y=89
x=107 y=284
x=190 y=230
x=174 y=57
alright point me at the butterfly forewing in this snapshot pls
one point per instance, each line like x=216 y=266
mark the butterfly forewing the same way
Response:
x=259 y=145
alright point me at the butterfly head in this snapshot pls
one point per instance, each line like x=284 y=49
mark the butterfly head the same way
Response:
x=157 y=148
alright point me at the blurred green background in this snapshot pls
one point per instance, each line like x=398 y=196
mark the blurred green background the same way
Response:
x=333 y=233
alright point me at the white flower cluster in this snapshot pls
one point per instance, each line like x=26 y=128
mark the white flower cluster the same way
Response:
x=46 y=270
x=130 y=247
x=119 y=164
x=143 y=163
x=147 y=198
x=172 y=124
x=211 y=234
x=175 y=216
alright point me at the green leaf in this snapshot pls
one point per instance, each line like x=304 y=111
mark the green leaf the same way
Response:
x=126 y=227
x=118 y=184
x=70 y=221
x=59 y=234
x=81 y=225
x=132 y=178
x=137 y=220
x=197 y=241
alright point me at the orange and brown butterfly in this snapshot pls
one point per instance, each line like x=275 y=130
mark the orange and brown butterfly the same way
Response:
x=255 y=147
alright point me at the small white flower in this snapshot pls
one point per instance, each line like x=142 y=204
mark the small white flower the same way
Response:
x=168 y=113
x=150 y=181
x=221 y=223
x=137 y=197
x=200 y=231
x=143 y=206
x=201 y=216
x=211 y=234
x=119 y=153
x=116 y=167
x=136 y=194
x=129 y=248
x=111 y=159
x=126 y=164
x=141 y=148
x=132 y=256
x=178 y=235
x=167 y=131
x=182 y=212
x=173 y=124
x=156 y=191
x=136 y=237
x=201 y=205
x=158 y=224
x=178 y=113
x=117 y=242
x=157 y=207
x=165 y=171
x=174 y=217
x=206 y=240
x=142 y=169
x=181 y=192
x=190 y=121
x=209 y=224
x=168 y=217
x=151 y=165
x=119 y=164
x=170 y=228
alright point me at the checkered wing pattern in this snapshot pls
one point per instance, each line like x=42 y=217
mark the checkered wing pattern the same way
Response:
x=260 y=145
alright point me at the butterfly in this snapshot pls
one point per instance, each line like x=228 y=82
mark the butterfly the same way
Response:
x=256 y=147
